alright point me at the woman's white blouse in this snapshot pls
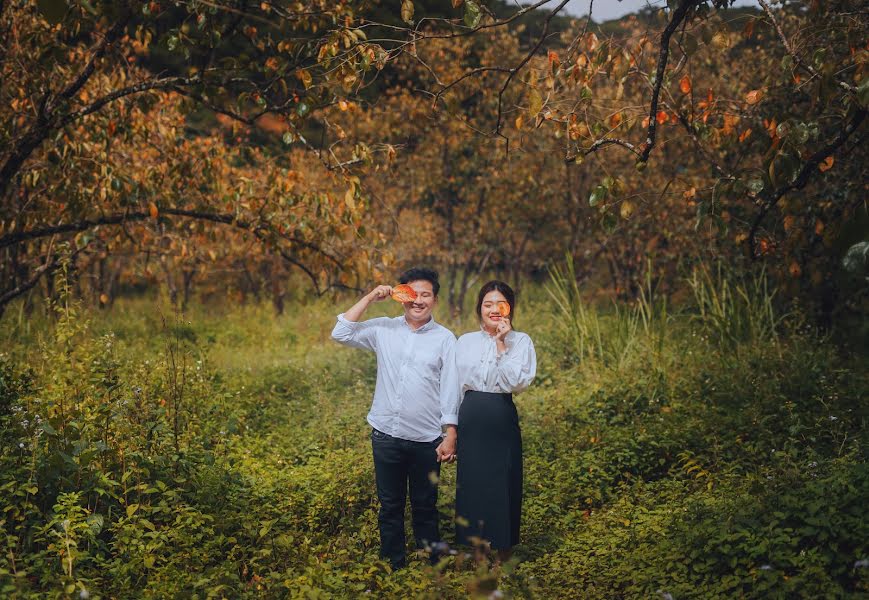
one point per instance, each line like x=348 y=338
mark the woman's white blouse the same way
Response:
x=482 y=369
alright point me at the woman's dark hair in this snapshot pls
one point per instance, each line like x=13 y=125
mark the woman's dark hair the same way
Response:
x=421 y=274
x=496 y=286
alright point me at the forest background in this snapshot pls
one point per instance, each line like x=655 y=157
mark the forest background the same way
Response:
x=678 y=195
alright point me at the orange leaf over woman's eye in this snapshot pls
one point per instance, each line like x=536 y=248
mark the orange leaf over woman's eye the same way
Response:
x=503 y=308
x=403 y=293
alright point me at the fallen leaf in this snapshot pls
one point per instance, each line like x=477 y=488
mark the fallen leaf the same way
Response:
x=826 y=164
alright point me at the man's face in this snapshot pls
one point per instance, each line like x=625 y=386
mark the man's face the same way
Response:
x=419 y=311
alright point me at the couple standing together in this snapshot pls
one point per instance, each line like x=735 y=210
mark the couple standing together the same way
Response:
x=435 y=396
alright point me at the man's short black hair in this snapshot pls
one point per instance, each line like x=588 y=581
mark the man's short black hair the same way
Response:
x=421 y=274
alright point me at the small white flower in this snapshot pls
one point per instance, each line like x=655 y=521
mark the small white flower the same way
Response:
x=496 y=595
x=766 y=568
x=862 y=563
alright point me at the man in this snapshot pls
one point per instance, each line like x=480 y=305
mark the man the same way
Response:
x=416 y=395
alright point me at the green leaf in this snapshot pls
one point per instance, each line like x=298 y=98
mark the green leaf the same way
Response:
x=472 y=14
x=131 y=509
x=597 y=194
x=303 y=109
x=863 y=93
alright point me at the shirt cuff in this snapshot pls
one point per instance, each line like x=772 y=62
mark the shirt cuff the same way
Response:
x=350 y=324
x=450 y=420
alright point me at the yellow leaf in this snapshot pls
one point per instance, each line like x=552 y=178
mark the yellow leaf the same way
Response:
x=535 y=102
x=104 y=299
x=407 y=11
x=627 y=209
x=305 y=77
x=350 y=198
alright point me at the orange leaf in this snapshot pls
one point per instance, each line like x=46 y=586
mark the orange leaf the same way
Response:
x=615 y=119
x=794 y=269
x=403 y=293
x=826 y=164
x=662 y=117
x=645 y=122
x=553 y=60
x=104 y=299
x=754 y=96
x=819 y=227
x=685 y=84
x=745 y=135
x=503 y=308
x=152 y=208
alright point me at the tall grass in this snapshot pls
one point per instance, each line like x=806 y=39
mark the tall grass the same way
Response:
x=734 y=309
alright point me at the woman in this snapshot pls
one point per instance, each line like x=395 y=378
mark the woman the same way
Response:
x=493 y=363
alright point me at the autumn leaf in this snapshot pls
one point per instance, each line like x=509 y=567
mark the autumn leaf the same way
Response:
x=753 y=97
x=104 y=299
x=685 y=84
x=553 y=60
x=794 y=269
x=745 y=135
x=615 y=119
x=305 y=77
x=535 y=102
x=407 y=11
x=662 y=117
x=826 y=164
x=457 y=3
x=152 y=209
x=627 y=209
x=503 y=308
x=403 y=293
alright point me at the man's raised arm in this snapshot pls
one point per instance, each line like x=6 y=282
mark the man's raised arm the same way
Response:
x=350 y=331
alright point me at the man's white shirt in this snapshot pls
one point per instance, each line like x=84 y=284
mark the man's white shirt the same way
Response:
x=417 y=389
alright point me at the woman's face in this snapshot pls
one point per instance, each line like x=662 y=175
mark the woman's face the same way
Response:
x=489 y=312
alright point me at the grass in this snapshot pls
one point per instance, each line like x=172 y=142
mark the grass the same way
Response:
x=717 y=450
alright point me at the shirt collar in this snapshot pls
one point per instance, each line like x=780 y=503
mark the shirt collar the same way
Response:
x=428 y=324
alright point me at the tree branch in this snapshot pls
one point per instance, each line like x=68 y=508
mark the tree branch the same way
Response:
x=803 y=176
x=120 y=218
x=663 y=56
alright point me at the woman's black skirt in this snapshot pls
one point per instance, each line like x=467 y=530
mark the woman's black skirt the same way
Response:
x=489 y=471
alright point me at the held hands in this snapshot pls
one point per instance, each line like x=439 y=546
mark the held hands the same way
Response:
x=446 y=450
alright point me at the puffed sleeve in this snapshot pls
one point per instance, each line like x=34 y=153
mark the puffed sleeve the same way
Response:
x=515 y=369
x=450 y=392
x=357 y=334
